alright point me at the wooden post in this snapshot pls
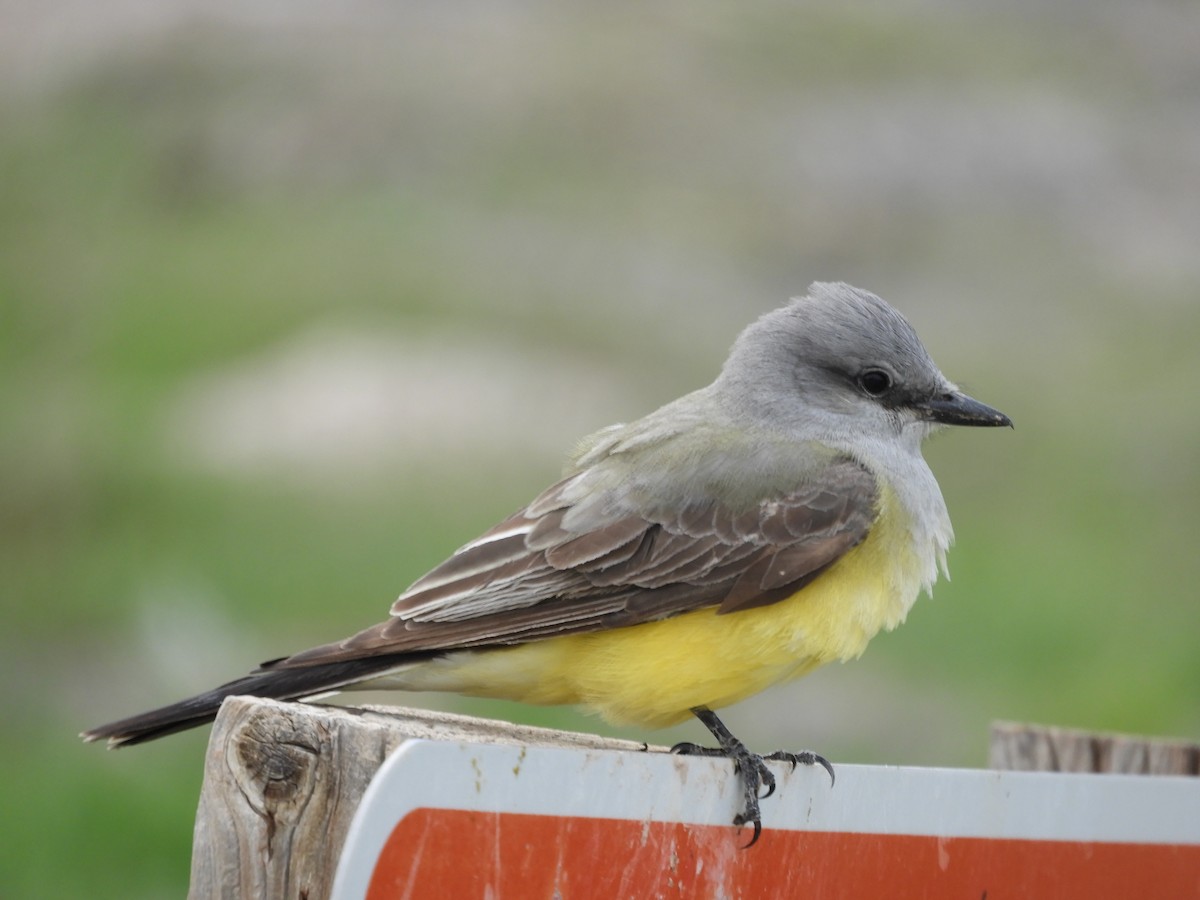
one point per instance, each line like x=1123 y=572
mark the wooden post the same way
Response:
x=283 y=780
x=1040 y=748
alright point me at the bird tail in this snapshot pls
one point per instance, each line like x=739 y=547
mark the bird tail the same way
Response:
x=277 y=683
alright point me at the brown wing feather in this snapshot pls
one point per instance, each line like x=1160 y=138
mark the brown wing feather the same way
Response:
x=530 y=578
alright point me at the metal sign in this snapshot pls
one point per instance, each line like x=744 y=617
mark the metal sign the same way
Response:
x=499 y=821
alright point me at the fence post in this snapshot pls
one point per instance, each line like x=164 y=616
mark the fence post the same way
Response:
x=1041 y=748
x=283 y=780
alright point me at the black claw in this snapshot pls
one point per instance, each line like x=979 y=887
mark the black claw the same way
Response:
x=828 y=766
x=767 y=777
x=757 y=832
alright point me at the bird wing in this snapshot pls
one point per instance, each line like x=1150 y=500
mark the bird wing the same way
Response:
x=569 y=563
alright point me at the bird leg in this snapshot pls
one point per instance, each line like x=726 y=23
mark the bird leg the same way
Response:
x=751 y=766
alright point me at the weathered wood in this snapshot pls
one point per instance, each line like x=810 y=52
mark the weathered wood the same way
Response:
x=282 y=782
x=1040 y=748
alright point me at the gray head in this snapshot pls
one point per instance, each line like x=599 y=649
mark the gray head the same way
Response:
x=842 y=362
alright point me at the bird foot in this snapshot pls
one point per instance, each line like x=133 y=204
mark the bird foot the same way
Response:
x=751 y=767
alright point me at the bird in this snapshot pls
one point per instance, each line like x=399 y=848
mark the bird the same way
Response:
x=740 y=536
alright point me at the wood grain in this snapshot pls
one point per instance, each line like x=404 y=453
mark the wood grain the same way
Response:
x=282 y=782
x=1041 y=748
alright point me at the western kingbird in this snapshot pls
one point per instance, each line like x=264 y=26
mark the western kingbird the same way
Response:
x=739 y=536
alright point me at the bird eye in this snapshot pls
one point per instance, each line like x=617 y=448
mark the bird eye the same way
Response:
x=875 y=382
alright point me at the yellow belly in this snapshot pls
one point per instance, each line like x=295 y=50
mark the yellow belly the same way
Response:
x=652 y=674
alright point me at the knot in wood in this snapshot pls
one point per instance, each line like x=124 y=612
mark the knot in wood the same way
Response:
x=278 y=760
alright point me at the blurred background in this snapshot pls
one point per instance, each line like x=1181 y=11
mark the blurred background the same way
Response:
x=297 y=298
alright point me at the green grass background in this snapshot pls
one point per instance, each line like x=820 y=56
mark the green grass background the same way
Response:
x=609 y=194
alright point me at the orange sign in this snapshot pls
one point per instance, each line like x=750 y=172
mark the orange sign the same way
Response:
x=457 y=853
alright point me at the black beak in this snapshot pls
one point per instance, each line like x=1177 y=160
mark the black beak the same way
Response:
x=955 y=408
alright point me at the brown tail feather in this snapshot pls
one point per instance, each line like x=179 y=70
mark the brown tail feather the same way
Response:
x=276 y=683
